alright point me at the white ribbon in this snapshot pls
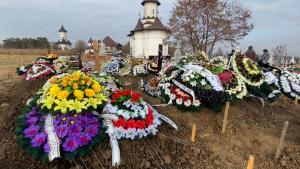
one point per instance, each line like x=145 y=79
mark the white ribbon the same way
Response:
x=164 y=118
x=184 y=88
x=113 y=139
x=52 y=139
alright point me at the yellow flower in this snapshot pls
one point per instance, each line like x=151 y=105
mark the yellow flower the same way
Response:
x=54 y=90
x=89 y=82
x=101 y=98
x=77 y=105
x=63 y=94
x=62 y=105
x=78 y=94
x=75 y=86
x=48 y=102
x=82 y=82
x=65 y=83
x=93 y=102
x=89 y=92
x=97 y=87
x=70 y=83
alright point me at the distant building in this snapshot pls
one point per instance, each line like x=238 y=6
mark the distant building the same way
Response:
x=110 y=45
x=148 y=33
x=63 y=43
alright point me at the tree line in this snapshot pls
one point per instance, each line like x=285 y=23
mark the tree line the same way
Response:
x=26 y=43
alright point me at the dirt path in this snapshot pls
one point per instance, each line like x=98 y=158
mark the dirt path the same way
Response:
x=251 y=130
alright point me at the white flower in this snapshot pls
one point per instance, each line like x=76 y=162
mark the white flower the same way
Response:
x=196 y=103
x=141 y=133
x=187 y=103
x=193 y=83
x=187 y=79
x=119 y=132
x=192 y=75
x=173 y=96
x=167 y=92
x=203 y=82
x=179 y=101
x=151 y=130
x=131 y=133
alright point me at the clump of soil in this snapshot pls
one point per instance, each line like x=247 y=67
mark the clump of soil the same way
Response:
x=252 y=130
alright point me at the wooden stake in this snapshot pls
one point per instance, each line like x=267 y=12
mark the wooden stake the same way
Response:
x=296 y=101
x=250 y=164
x=225 y=117
x=193 y=132
x=286 y=124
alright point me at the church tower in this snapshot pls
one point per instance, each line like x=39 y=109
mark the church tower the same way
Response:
x=149 y=32
x=63 y=43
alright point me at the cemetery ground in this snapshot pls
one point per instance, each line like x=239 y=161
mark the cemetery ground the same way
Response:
x=251 y=130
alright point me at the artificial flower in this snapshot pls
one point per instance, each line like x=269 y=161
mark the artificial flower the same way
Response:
x=89 y=92
x=61 y=105
x=48 y=102
x=63 y=94
x=77 y=105
x=70 y=144
x=78 y=94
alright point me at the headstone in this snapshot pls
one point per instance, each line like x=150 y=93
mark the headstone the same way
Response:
x=177 y=53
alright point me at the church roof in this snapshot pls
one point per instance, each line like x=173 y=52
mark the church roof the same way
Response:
x=64 y=42
x=145 y=1
x=90 y=41
x=109 y=42
x=156 y=25
x=62 y=29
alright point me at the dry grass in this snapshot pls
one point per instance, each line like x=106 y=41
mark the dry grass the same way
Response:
x=9 y=63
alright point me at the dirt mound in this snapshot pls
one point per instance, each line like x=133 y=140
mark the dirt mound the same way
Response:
x=251 y=130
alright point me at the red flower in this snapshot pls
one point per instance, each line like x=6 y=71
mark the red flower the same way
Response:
x=120 y=123
x=185 y=98
x=140 y=124
x=127 y=92
x=131 y=124
x=115 y=96
x=149 y=119
x=135 y=97
x=113 y=101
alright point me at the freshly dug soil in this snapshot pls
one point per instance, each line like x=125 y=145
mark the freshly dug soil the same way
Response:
x=251 y=130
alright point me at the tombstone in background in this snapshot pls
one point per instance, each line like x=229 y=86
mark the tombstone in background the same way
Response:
x=177 y=53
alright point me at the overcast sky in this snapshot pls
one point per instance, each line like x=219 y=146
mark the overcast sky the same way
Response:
x=276 y=21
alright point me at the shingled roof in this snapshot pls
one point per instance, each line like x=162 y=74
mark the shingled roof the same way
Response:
x=157 y=25
x=65 y=42
x=62 y=29
x=145 y=1
x=109 y=42
x=139 y=26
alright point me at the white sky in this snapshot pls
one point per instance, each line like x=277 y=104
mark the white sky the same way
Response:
x=276 y=21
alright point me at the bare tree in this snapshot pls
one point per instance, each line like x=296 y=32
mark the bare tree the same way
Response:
x=80 y=47
x=200 y=24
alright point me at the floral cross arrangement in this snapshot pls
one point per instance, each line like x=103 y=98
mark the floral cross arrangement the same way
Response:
x=74 y=92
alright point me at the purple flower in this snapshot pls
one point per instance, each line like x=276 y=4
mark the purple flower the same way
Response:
x=31 y=113
x=32 y=120
x=93 y=120
x=84 y=139
x=61 y=130
x=92 y=130
x=31 y=131
x=70 y=144
x=38 y=139
x=46 y=148
x=74 y=130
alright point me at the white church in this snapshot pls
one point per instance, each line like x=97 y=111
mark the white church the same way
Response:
x=149 y=33
x=63 y=43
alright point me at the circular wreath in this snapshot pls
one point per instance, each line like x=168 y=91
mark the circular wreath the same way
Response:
x=178 y=82
x=117 y=66
x=136 y=118
x=38 y=71
x=289 y=84
x=247 y=70
x=76 y=92
x=232 y=84
x=77 y=134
